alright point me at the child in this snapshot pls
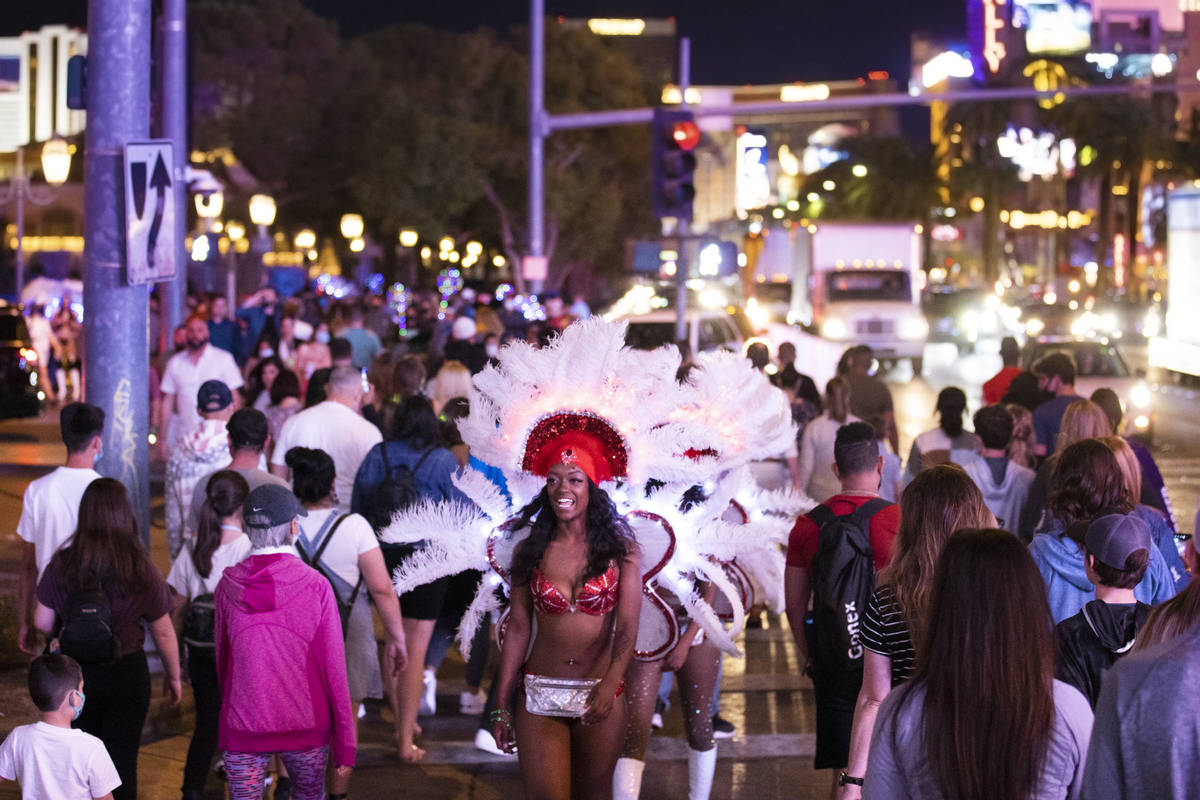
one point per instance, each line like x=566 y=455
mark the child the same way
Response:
x=1116 y=552
x=49 y=759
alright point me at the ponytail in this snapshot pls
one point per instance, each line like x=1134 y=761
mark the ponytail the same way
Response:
x=224 y=495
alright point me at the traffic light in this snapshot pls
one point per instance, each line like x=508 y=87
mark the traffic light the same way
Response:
x=673 y=164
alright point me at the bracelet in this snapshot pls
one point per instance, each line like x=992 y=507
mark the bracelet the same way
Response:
x=501 y=715
x=847 y=780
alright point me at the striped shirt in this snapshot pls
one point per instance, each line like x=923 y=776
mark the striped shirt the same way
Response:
x=885 y=632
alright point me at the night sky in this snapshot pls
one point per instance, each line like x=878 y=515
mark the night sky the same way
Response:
x=769 y=41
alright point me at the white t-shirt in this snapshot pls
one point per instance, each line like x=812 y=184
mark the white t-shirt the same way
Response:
x=50 y=512
x=351 y=539
x=53 y=763
x=336 y=429
x=184 y=578
x=182 y=378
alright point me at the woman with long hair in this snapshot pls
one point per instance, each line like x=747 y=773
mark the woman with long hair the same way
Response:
x=936 y=446
x=104 y=562
x=1020 y=448
x=259 y=379
x=816 y=476
x=939 y=501
x=1087 y=483
x=1156 y=521
x=344 y=549
x=220 y=543
x=1081 y=420
x=1178 y=616
x=578 y=575
x=416 y=452
x=982 y=716
x=285 y=402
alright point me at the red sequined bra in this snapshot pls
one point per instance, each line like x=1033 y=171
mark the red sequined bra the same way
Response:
x=597 y=597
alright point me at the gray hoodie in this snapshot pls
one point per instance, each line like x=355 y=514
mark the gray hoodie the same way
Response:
x=1005 y=499
x=1147 y=726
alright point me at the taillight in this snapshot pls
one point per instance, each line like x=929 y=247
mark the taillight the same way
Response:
x=29 y=354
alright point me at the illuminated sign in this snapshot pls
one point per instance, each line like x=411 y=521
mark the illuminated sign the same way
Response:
x=753 y=186
x=1054 y=26
x=947 y=64
x=803 y=93
x=1048 y=76
x=994 y=50
x=1041 y=154
x=617 y=27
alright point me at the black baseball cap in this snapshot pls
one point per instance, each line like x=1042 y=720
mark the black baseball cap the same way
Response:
x=270 y=505
x=213 y=396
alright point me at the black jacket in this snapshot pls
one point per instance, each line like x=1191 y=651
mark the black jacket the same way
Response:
x=1090 y=642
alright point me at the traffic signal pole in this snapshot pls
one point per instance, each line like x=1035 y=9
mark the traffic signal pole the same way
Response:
x=681 y=225
x=116 y=354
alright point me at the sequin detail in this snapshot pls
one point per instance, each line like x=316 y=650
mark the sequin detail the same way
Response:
x=587 y=435
x=597 y=597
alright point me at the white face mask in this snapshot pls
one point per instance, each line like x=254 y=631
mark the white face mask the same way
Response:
x=491 y=350
x=266 y=352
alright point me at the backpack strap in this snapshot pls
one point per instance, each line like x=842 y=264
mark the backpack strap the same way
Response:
x=329 y=536
x=869 y=509
x=316 y=557
x=303 y=542
x=821 y=515
x=421 y=461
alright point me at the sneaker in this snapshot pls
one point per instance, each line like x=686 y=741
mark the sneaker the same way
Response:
x=283 y=789
x=429 y=696
x=722 y=728
x=487 y=743
x=656 y=721
x=471 y=704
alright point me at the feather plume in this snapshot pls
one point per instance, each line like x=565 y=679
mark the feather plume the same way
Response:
x=487 y=495
x=483 y=604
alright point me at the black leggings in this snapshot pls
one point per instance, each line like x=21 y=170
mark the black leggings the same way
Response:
x=118 y=699
x=202 y=669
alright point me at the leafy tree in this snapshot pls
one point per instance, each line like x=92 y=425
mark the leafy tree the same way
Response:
x=899 y=184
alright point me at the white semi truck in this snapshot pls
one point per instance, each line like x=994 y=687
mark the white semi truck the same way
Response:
x=864 y=287
x=1178 y=348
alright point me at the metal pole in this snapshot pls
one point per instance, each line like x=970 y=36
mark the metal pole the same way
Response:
x=537 y=132
x=116 y=364
x=19 y=188
x=174 y=118
x=681 y=264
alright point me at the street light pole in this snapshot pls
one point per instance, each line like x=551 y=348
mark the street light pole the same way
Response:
x=19 y=189
x=116 y=359
x=56 y=167
x=174 y=112
x=537 y=132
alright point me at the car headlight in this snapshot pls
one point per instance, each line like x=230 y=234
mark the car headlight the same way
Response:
x=969 y=322
x=914 y=328
x=1034 y=326
x=1141 y=422
x=833 y=329
x=758 y=315
x=1140 y=396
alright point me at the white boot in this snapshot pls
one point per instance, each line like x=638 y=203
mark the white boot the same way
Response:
x=60 y=378
x=76 y=385
x=702 y=764
x=627 y=779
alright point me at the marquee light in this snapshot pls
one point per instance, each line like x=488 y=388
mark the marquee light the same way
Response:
x=616 y=27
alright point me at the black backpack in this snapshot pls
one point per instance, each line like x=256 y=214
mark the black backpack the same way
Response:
x=397 y=490
x=200 y=623
x=843 y=577
x=345 y=606
x=86 y=632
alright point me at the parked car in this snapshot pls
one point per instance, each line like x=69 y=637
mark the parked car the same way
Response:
x=18 y=367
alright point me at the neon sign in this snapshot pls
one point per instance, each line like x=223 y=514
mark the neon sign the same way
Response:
x=994 y=50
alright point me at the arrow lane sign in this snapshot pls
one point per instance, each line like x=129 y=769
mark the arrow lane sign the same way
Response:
x=159 y=181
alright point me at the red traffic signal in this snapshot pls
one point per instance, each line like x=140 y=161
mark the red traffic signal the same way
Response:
x=686 y=134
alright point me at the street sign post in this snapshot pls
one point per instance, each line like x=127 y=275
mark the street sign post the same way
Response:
x=150 y=212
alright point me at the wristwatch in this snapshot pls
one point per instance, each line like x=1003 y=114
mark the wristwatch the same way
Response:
x=847 y=780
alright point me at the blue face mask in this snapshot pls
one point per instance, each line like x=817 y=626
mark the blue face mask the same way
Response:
x=82 y=699
x=323 y=337
x=99 y=455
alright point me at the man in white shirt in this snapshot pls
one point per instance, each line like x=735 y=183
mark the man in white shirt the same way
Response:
x=335 y=426
x=50 y=510
x=183 y=376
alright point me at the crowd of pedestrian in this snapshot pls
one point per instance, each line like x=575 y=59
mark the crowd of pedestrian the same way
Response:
x=961 y=613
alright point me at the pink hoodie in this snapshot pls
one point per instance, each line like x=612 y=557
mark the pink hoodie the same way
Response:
x=281 y=662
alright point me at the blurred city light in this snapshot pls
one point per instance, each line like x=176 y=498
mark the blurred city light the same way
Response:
x=262 y=209
x=208 y=206
x=408 y=237
x=56 y=161
x=357 y=244
x=306 y=239
x=351 y=226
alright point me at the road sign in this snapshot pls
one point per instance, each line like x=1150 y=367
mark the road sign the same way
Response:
x=150 y=245
x=535 y=268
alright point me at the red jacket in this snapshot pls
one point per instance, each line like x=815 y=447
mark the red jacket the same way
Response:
x=281 y=662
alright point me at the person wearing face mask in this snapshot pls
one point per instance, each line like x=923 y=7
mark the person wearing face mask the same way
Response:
x=196 y=363
x=49 y=758
x=313 y=354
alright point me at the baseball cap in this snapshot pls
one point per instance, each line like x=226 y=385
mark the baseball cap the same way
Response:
x=213 y=396
x=248 y=428
x=1111 y=539
x=270 y=505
